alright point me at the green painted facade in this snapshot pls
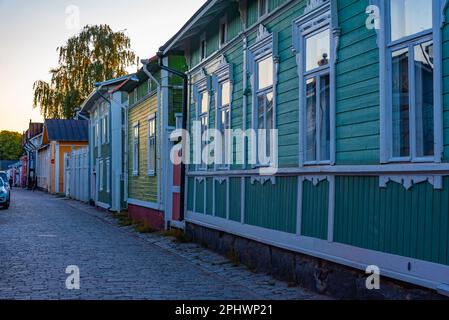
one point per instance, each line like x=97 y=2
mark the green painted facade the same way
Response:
x=141 y=186
x=404 y=220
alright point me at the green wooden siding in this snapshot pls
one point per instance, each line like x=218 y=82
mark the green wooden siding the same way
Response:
x=315 y=209
x=190 y=193
x=220 y=199
x=209 y=196
x=199 y=197
x=413 y=223
x=272 y=206
x=235 y=199
x=141 y=187
x=357 y=118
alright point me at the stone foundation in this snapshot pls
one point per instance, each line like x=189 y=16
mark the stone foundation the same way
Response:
x=318 y=275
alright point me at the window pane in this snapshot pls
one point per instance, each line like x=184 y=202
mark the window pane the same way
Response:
x=325 y=118
x=311 y=120
x=400 y=104
x=204 y=102
x=265 y=73
x=317 y=50
x=409 y=17
x=424 y=99
x=225 y=93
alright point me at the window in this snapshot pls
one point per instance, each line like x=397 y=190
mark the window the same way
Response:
x=223 y=31
x=410 y=102
x=263 y=8
x=136 y=96
x=106 y=128
x=152 y=145
x=203 y=105
x=317 y=98
x=108 y=176
x=101 y=175
x=135 y=147
x=203 y=47
x=224 y=120
x=264 y=100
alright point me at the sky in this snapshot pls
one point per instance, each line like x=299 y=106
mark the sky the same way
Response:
x=30 y=32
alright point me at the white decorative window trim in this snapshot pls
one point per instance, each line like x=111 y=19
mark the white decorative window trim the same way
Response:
x=266 y=44
x=409 y=181
x=263 y=180
x=202 y=85
x=135 y=163
x=319 y=14
x=223 y=73
x=382 y=38
x=221 y=180
x=316 y=180
x=152 y=171
x=200 y=179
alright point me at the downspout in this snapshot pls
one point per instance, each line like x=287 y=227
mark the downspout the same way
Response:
x=184 y=77
x=159 y=127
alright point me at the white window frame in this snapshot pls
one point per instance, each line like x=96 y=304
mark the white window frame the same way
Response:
x=152 y=141
x=386 y=47
x=266 y=10
x=316 y=18
x=223 y=73
x=135 y=149
x=108 y=175
x=266 y=45
x=223 y=22
x=200 y=88
x=101 y=174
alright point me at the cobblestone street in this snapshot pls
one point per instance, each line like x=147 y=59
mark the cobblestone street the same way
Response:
x=41 y=235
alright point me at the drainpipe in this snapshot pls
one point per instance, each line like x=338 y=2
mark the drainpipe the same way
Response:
x=184 y=77
x=159 y=127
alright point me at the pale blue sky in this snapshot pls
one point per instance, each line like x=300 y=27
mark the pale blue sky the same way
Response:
x=30 y=32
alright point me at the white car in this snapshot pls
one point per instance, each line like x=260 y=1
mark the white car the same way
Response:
x=5 y=194
x=4 y=176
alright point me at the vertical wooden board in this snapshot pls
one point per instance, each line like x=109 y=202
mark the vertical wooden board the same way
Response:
x=220 y=199
x=315 y=209
x=235 y=195
x=190 y=193
x=272 y=206
x=199 y=197
x=209 y=196
x=412 y=223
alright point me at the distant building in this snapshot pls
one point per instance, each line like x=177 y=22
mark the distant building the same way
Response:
x=59 y=137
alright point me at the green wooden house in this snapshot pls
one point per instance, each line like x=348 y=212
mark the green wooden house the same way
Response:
x=105 y=108
x=154 y=111
x=357 y=91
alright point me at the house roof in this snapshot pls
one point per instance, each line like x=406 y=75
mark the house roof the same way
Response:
x=66 y=130
x=207 y=13
x=101 y=88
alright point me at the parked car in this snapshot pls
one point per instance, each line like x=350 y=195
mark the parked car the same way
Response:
x=4 y=176
x=5 y=194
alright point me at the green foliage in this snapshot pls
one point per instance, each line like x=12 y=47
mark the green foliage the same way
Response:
x=95 y=55
x=10 y=145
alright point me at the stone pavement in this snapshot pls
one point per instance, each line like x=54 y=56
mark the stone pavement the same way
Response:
x=42 y=234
